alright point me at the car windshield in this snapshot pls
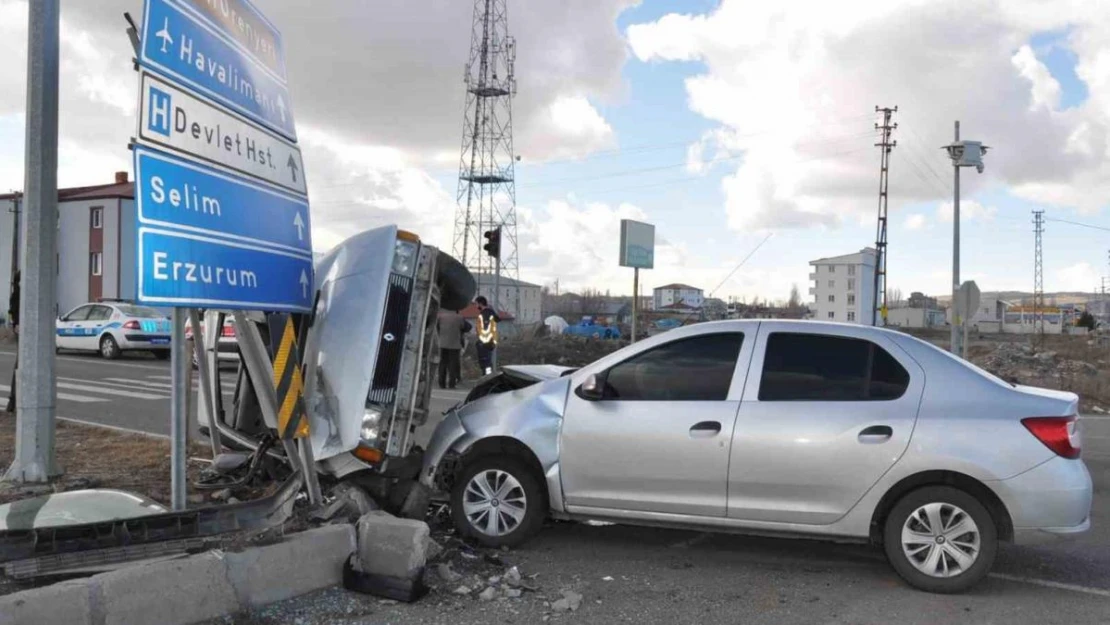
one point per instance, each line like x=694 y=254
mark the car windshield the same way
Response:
x=139 y=311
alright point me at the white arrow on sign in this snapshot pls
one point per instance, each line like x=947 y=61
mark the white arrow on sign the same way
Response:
x=299 y=224
x=304 y=283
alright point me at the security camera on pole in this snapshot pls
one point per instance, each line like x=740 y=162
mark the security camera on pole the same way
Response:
x=963 y=154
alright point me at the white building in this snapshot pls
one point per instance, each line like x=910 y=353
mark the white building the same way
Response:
x=530 y=297
x=844 y=287
x=677 y=294
x=96 y=242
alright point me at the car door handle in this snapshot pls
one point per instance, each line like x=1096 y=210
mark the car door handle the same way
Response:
x=705 y=429
x=876 y=434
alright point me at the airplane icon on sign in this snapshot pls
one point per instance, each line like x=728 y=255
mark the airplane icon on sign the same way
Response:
x=164 y=35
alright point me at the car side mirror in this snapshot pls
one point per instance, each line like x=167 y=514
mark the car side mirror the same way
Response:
x=593 y=389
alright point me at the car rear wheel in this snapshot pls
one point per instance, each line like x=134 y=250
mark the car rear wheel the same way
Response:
x=940 y=539
x=109 y=349
x=498 y=502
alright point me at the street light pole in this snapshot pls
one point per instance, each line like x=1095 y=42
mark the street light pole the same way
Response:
x=957 y=348
x=35 y=382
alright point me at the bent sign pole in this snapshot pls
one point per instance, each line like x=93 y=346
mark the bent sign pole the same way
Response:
x=224 y=220
x=35 y=383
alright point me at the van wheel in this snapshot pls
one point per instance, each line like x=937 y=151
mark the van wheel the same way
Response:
x=498 y=502
x=940 y=539
x=109 y=349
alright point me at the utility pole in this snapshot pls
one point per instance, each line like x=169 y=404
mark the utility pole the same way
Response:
x=35 y=382
x=963 y=154
x=886 y=146
x=1038 y=276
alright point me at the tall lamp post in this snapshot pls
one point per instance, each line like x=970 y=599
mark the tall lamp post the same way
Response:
x=963 y=154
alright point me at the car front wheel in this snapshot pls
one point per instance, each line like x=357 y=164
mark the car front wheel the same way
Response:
x=940 y=539
x=109 y=349
x=497 y=501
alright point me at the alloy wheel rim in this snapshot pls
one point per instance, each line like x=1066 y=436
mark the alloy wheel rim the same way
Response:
x=941 y=540
x=107 y=348
x=494 y=502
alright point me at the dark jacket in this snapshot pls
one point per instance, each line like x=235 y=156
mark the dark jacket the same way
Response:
x=13 y=306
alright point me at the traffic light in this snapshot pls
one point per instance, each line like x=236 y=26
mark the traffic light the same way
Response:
x=493 y=242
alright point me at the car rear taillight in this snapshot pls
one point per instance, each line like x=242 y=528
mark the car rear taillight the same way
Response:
x=228 y=331
x=1060 y=434
x=131 y=325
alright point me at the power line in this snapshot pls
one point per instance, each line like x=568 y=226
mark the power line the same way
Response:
x=737 y=268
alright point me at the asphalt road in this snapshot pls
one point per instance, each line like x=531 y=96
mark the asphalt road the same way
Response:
x=665 y=575
x=133 y=392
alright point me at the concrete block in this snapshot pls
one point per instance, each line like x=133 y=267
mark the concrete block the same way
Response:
x=300 y=564
x=64 y=602
x=173 y=592
x=391 y=546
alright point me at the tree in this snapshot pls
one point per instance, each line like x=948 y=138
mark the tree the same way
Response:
x=894 y=297
x=1087 y=320
x=795 y=301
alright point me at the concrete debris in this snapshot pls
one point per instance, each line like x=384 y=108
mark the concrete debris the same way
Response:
x=569 y=603
x=512 y=576
x=496 y=579
x=607 y=578
x=513 y=593
x=462 y=590
x=445 y=573
x=489 y=594
x=1098 y=409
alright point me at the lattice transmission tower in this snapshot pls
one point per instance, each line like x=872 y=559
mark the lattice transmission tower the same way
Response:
x=487 y=192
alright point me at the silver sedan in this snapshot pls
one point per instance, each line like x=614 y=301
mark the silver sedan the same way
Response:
x=773 y=427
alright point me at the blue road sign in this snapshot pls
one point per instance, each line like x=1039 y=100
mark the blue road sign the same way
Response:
x=175 y=193
x=179 y=269
x=183 y=43
x=239 y=21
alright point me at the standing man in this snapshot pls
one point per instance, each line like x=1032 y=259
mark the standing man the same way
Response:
x=451 y=327
x=13 y=320
x=487 y=334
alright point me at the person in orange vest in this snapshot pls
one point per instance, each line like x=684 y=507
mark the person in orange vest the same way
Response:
x=486 y=329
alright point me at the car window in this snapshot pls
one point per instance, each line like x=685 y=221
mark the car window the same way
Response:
x=139 y=311
x=816 y=367
x=78 y=314
x=695 y=369
x=100 y=313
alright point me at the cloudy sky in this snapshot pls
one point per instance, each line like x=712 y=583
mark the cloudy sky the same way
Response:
x=724 y=123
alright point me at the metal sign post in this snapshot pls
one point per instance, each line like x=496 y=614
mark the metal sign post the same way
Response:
x=224 y=220
x=637 y=251
x=635 y=299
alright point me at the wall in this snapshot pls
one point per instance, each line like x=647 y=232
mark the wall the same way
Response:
x=127 y=279
x=73 y=253
x=7 y=223
x=530 y=299
x=841 y=274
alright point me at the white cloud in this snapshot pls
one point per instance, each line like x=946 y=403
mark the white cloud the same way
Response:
x=1078 y=277
x=1046 y=89
x=915 y=221
x=970 y=210
x=571 y=127
x=793 y=83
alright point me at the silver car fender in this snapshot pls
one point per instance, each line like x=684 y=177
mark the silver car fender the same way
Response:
x=532 y=416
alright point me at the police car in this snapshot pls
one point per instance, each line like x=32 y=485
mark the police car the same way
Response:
x=112 y=328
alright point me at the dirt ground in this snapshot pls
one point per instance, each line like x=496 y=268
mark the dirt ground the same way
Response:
x=95 y=457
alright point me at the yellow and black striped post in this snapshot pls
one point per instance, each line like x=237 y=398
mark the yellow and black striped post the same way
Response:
x=288 y=379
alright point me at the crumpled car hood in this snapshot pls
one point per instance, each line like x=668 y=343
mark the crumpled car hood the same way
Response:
x=539 y=373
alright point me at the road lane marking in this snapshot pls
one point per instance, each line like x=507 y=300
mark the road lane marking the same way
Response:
x=82 y=399
x=1098 y=592
x=161 y=385
x=108 y=391
x=113 y=427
